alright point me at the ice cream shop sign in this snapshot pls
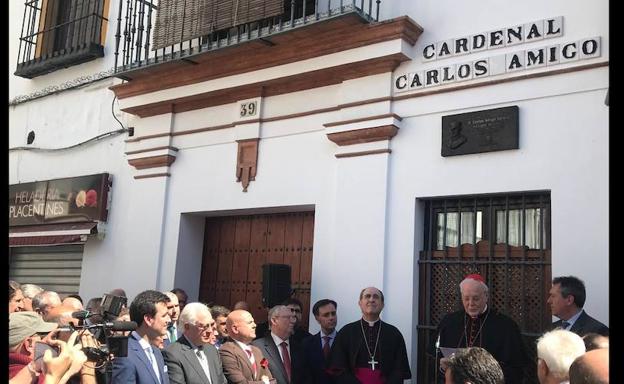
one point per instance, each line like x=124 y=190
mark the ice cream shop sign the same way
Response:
x=71 y=199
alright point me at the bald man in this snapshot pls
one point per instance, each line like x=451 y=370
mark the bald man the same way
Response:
x=242 y=362
x=591 y=368
x=73 y=303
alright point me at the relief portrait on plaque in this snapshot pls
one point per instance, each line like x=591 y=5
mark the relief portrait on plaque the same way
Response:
x=457 y=139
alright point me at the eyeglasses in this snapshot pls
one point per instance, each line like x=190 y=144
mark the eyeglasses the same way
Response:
x=203 y=327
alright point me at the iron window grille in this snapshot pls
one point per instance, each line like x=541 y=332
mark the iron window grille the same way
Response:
x=505 y=238
x=57 y=34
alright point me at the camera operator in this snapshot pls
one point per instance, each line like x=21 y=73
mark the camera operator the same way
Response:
x=32 y=342
x=63 y=317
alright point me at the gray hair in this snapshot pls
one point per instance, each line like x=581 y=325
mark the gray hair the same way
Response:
x=274 y=312
x=190 y=313
x=43 y=299
x=480 y=283
x=31 y=290
x=558 y=349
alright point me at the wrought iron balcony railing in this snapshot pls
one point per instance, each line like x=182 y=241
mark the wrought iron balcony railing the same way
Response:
x=151 y=32
x=59 y=33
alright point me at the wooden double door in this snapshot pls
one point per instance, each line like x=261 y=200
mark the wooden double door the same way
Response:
x=236 y=247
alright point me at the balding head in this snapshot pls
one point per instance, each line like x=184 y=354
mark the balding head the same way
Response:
x=72 y=302
x=591 y=368
x=241 y=326
x=62 y=315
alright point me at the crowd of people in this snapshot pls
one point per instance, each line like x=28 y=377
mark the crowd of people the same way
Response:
x=161 y=338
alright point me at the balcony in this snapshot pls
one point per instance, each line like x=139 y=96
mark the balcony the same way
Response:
x=57 y=34
x=174 y=31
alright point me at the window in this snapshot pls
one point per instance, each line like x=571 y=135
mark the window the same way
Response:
x=60 y=33
x=505 y=238
x=516 y=221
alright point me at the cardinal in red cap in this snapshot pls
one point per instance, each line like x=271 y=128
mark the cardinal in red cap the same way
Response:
x=479 y=325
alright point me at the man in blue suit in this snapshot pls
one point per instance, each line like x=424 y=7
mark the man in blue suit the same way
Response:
x=144 y=363
x=317 y=348
x=566 y=299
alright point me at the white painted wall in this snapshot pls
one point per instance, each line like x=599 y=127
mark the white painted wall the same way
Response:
x=368 y=226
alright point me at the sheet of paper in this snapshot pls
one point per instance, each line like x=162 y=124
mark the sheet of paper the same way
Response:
x=446 y=352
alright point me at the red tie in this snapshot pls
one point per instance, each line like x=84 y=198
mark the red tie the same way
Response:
x=326 y=347
x=286 y=358
x=253 y=364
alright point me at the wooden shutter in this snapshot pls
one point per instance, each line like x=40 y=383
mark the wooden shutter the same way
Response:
x=182 y=20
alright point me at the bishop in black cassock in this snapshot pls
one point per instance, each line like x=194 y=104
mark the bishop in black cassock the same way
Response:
x=482 y=326
x=369 y=351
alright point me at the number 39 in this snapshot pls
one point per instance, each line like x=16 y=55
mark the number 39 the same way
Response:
x=248 y=109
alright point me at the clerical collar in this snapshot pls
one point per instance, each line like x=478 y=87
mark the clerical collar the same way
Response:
x=370 y=323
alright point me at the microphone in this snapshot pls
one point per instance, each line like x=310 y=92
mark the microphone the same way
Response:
x=81 y=315
x=119 y=325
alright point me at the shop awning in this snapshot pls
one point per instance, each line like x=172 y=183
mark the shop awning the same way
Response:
x=51 y=234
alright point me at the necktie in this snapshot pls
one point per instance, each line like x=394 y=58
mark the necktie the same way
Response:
x=285 y=358
x=326 y=347
x=203 y=361
x=565 y=324
x=253 y=362
x=172 y=334
x=152 y=359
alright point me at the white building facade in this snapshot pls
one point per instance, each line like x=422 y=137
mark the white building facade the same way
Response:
x=329 y=147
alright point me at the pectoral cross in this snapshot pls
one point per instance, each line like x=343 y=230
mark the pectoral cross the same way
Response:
x=372 y=362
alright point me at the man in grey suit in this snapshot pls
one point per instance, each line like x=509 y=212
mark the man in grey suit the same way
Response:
x=192 y=359
x=144 y=363
x=566 y=299
x=283 y=353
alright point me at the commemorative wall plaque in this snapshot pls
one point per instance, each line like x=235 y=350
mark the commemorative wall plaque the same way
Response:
x=482 y=131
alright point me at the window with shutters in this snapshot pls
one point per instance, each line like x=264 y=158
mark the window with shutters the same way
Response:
x=57 y=34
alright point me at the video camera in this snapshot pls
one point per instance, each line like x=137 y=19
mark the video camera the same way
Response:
x=105 y=329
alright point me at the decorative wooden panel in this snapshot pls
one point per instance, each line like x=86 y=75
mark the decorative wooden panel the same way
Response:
x=236 y=247
x=518 y=277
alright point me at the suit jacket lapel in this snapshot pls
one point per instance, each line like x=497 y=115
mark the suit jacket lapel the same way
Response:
x=143 y=357
x=242 y=355
x=579 y=323
x=191 y=357
x=271 y=349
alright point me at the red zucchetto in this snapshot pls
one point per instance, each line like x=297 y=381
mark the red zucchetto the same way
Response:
x=476 y=276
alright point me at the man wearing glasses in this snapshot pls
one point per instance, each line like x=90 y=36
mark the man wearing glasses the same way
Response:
x=284 y=354
x=192 y=359
x=296 y=307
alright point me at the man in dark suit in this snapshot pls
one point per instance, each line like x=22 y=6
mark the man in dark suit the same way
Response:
x=566 y=299
x=283 y=353
x=144 y=363
x=242 y=362
x=316 y=349
x=192 y=359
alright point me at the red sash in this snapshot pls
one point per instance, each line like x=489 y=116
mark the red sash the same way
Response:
x=368 y=376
